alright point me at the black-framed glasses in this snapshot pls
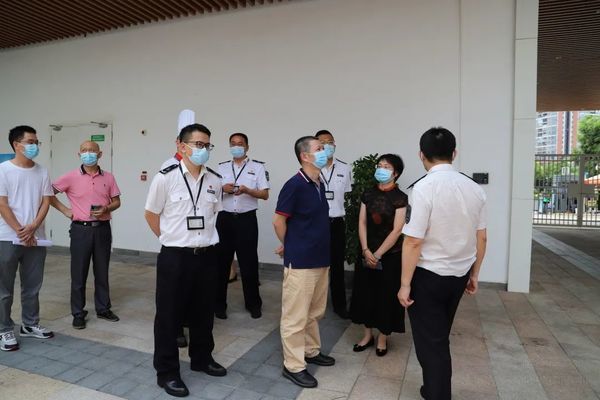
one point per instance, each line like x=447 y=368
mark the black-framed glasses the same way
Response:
x=201 y=145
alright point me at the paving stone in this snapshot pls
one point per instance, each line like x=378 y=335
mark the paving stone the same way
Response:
x=243 y=394
x=285 y=390
x=117 y=368
x=257 y=384
x=96 y=380
x=244 y=366
x=34 y=364
x=99 y=363
x=216 y=391
x=119 y=386
x=14 y=358
x=141 y=374
x=268 y=371
x=144 y=392
x=54 y=368
x=74 y=374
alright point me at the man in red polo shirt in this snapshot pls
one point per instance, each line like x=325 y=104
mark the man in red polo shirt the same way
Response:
x=93 y=194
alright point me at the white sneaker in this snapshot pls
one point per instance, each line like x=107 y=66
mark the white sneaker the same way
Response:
x=8 y=341
x=36 y=331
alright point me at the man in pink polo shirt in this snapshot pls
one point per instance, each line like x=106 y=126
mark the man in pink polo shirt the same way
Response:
x=93 y=194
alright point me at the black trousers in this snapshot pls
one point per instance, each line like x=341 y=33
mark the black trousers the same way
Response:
x=436 y=299
x=337 y=283
x=90 y=244
x=238 y=234
x=185 y=283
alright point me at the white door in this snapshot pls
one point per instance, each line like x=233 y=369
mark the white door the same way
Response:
x=64 y=146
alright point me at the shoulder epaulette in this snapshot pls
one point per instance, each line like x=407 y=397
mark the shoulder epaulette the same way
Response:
x=260 y=162
x=467 y=176
x=168 y=169
x=224 y=162
x=213 y=172
x=415 y=182
x=340 y=161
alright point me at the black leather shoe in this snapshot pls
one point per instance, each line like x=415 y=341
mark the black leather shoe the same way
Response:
x=256 y=313
x=358 y=348
x=108 y=315
x=79 y=322
x=175 y=387
x=302 y=378
x=320 y=359
x=213 y=368
x=182 y=341
x=422 y=392
x=221 y=314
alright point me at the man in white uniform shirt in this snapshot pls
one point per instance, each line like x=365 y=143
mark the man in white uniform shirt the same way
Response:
x=245 y=181
x=337 y=177
x=181 y=210
x=444 y=246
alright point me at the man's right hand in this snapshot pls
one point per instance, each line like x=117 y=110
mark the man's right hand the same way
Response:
x=279 y=251
x=228 y=188
x=68 y=213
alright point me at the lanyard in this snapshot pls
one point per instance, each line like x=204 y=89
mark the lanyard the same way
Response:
x=330 y=176
x=194 y=203
x=238 y=175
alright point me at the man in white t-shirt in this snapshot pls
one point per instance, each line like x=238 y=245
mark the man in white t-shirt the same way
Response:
x=25 y=191
x=444 y=245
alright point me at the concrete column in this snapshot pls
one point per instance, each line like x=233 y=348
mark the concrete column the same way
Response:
x=523 y=146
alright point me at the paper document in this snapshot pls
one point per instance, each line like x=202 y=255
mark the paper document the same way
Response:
x=40 y=242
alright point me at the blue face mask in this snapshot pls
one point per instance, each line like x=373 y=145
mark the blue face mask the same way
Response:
x=199 y=156
x=237 y=151
x=88 y=158
x=320 y=159
x=329 y=149
x=31 y=151
x=383 y=175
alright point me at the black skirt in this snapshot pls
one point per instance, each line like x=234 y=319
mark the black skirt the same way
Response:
x=375 y=296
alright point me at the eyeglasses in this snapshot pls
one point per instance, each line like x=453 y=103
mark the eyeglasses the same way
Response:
x=201 y=145
x=32 y=142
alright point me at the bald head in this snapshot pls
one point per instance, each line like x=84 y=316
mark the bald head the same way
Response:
x=89 y=146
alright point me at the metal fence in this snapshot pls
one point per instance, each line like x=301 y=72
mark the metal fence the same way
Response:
x=567 y=190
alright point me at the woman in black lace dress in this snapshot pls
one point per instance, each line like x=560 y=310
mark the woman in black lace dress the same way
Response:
x=377 y=280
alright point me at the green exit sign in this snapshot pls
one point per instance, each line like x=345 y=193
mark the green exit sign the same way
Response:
x=97 y=138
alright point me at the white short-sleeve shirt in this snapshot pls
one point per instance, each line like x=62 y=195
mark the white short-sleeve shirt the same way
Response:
x=24 y=188
x=337 y=179
x=169 y=197
x=252 y=174
x=447 y=209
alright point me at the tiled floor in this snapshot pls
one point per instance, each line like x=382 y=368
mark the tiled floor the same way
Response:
x=541 y=345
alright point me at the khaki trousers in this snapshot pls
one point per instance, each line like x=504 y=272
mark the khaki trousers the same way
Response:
x=303 y=303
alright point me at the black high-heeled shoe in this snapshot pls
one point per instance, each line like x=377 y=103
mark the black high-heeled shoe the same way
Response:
x=358 y=348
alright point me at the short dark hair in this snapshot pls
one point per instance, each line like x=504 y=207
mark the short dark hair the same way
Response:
x=302 y=146
x=438 y=144
x=396 y=162
x=242 y=135
x=323 y=132
x=187 y=131
x=17 y=133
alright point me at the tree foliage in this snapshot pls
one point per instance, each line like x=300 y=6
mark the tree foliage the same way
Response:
x=589 y=134
x=362 y=170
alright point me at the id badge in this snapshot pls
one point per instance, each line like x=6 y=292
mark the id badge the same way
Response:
x=329 y=194
x=195 y=223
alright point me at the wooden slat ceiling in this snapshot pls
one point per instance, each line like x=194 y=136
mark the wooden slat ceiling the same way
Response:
x=568 y=48
x=569 y=55
x=24 y=22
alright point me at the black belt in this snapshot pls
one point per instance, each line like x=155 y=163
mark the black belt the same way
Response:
x=236 y=214
x=333 y=219
x=91 y=223
x=194 y=250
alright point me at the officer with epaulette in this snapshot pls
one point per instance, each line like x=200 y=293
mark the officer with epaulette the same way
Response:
x=444 y=244
x=181 y=209
x=337 y=177
x=244 y=182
